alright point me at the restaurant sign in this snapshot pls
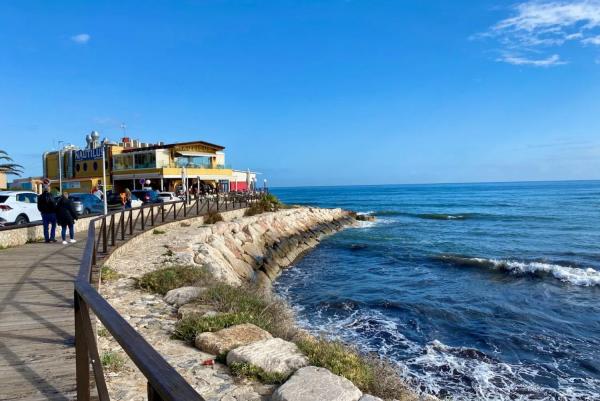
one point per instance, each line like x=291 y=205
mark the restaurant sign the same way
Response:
x=88 y=154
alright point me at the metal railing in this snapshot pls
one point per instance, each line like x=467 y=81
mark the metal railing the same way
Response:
x=164 y=382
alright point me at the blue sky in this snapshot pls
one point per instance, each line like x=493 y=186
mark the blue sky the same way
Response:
x=314 y=92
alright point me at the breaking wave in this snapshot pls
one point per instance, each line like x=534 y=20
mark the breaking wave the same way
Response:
x=586 y=277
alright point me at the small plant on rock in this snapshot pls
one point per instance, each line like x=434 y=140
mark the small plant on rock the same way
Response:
x=112 y=361
x=156 y=231
x=267 y=203
x=254 y=372
x=212 y=218
x=164 y=280
x=107 y=273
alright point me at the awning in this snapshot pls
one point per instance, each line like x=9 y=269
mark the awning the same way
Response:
x=194 y=154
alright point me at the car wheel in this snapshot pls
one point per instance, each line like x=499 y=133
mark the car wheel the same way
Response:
x=21 y=219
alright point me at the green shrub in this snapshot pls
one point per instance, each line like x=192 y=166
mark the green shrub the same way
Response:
x=156 y=231
x=102 y=332
x=212 y=218
x=237 y=306
x=267 y=203
x=164 y=280
x=339 y=359
x=254 y=372
x=112 y=361
x=108 y=274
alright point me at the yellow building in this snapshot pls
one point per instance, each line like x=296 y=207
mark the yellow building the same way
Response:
x=133 y=164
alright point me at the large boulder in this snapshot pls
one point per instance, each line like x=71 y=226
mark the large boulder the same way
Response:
x=183 y=295
x=316 y=384
x=227 y=339
x=273 y=355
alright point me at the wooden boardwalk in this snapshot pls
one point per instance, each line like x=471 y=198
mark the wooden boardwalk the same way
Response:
x=37 y=353
x=37 y=320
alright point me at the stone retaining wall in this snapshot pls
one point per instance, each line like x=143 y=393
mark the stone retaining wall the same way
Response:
x=237 y=250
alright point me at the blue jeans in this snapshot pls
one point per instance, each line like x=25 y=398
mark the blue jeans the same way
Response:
x=47 y=220
x=63 y=232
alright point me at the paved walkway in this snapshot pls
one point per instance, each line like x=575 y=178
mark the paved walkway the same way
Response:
x=37 y=353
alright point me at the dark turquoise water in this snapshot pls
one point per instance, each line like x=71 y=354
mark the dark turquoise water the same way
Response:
x=477 y=292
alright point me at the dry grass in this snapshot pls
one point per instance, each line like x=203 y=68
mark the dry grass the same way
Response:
x=212 y=218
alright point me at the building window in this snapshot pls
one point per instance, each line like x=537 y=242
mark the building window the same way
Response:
x=95 y=166
x=123 y=161
x=77 y=167
x=145 y=160
x=84 y=166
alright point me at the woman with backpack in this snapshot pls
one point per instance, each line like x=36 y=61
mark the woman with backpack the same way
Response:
x=66 y=216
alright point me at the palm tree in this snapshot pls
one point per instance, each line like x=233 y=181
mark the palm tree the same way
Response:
x=9 y=168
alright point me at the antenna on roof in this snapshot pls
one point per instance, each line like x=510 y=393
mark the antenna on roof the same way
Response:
x=124 y=128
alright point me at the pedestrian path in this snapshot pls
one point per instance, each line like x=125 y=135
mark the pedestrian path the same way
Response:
x=37 y=353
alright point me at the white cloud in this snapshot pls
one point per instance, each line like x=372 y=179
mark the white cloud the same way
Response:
x=81 y=38
x=594 y=40
x=538 y=26
x=545 y=62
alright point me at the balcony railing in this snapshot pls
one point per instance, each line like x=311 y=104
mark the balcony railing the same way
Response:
x=105 y=233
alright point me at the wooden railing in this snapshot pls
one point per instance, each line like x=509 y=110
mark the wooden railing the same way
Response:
x=164 y=383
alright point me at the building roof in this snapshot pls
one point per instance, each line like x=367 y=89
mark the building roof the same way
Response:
x=172 y=145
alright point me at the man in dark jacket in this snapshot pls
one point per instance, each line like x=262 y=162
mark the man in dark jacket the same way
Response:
x=66 y=216
x=47 y=207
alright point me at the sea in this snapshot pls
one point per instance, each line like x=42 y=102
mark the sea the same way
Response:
x=474 y=291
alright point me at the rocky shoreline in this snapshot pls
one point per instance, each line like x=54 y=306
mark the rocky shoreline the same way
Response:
x=236 y=251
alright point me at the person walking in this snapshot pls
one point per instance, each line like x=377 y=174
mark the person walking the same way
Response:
x=47 y=207
x=127 y=198
x=66 y=216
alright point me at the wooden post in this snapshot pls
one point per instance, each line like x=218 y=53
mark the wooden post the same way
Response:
x=152 y=215
x=104 y=235
x=153 y=394
x=142 y=216
x=112 y=230
x=82 y=359
x=122 y=225
x=130 y=222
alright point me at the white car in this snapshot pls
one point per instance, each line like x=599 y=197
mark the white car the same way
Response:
x=135 y=201
x=18 y=207
x=168 y=196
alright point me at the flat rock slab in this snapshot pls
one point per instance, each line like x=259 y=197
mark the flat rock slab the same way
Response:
x=368 y=397
x=316 y=384
x=191 y=309
x=273 y=355
x=232 y=337
x=183 y=295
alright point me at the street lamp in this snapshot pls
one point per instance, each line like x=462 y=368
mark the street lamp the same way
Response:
x=104 y=177
x=60 y=166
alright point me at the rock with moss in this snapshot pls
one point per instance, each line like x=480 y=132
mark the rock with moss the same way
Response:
x=273 y=356
x=224 y=340
x=316 y=384
x=183 y=295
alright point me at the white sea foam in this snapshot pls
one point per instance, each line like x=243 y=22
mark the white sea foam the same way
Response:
x=587 y=277
x=574 y=275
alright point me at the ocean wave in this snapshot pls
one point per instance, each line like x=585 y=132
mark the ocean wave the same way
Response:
x=463 y=216
x=586 y=277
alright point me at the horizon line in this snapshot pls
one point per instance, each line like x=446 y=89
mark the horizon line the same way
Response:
x=438 y=183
